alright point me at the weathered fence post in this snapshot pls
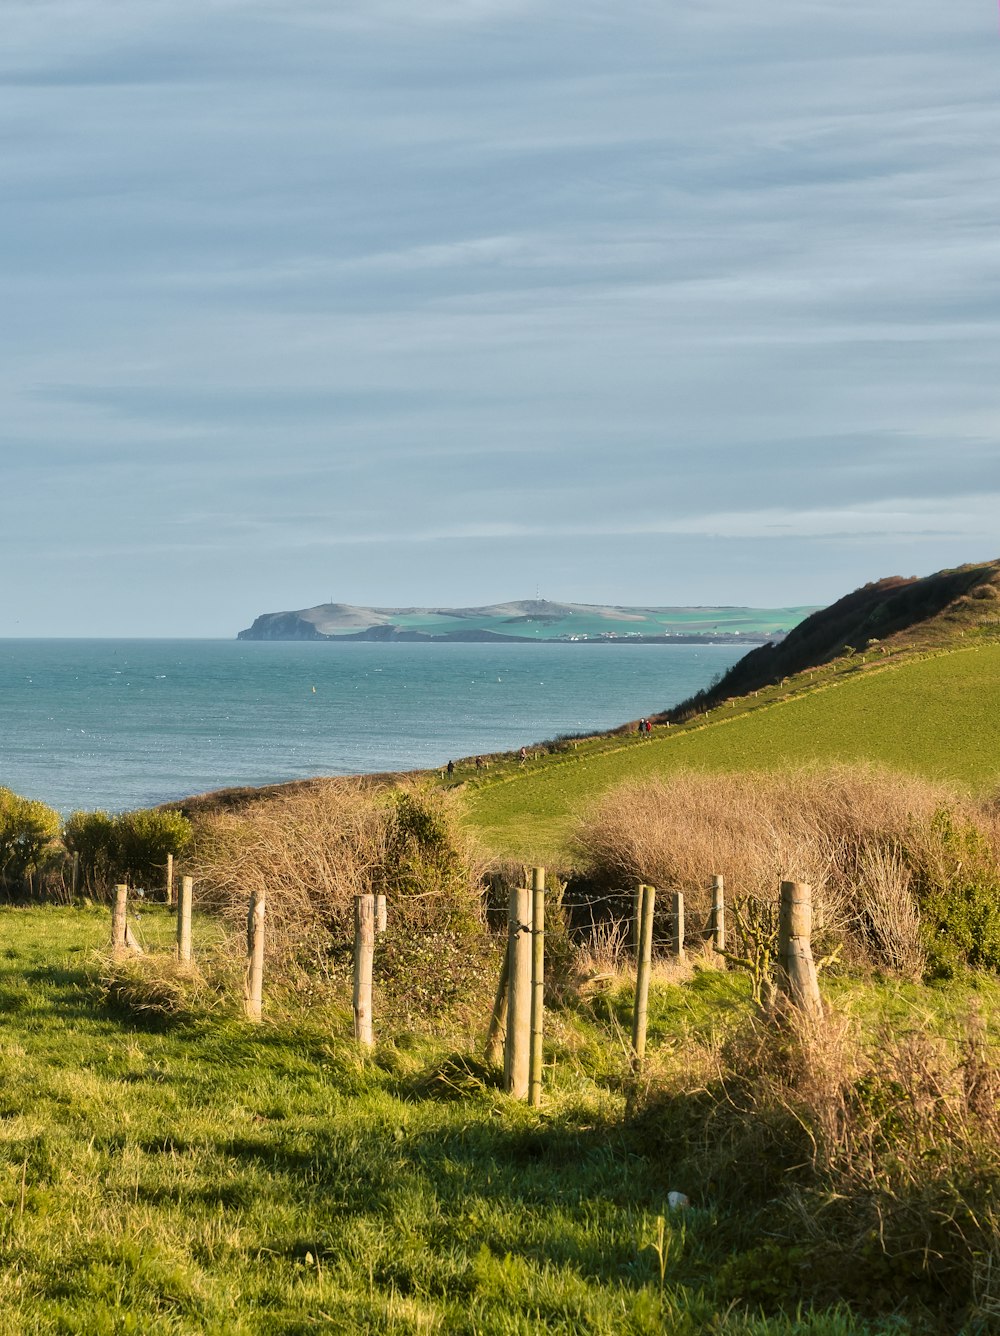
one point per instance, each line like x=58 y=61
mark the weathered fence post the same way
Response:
x=381 y=914
x=119 y=921
x=184 y=922
x=537 y=985
x=516 y=1049
x=718 y=913
x=796 y=972
x=643 y=966
x=75 y=874
x=254 y=992
x=122 y=940
x=677 y=899
x=496 y=1036
x=364 y=956
x=170 y=879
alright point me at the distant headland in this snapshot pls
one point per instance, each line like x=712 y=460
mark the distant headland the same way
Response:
x=531 y=620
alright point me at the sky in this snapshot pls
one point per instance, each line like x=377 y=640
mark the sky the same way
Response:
x=657 y=302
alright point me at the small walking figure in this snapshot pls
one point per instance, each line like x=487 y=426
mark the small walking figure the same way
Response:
x=523 y=755
x=451 y=767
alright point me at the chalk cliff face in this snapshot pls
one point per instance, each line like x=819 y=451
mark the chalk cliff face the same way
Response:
x=282 y=626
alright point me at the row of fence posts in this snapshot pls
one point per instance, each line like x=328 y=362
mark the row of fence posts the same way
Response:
x=123 y=941
x=517 y=1021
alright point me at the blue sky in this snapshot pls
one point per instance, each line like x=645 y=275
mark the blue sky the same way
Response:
x=691 y=301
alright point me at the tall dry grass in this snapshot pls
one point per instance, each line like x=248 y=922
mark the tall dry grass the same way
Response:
x=866 y=839
x=873 y=1164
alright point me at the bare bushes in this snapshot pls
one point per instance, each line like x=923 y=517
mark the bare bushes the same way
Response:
x=874 y=1166
x=886 y=909
x=899 y=865
x=312 y=852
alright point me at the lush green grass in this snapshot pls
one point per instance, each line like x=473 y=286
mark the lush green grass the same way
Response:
x=935 y=716
x=213 y=1177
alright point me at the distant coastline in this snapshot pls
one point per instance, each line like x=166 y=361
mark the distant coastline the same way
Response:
x=379 y=634
x=531 y=621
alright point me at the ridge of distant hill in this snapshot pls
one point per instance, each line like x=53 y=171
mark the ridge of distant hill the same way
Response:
x=883 y=617
x=903 y=673
x=529 y=620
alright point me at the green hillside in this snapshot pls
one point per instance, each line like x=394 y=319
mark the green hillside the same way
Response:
x=935 y=715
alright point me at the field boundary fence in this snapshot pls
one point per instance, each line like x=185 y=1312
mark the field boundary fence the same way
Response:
x=516 y=1028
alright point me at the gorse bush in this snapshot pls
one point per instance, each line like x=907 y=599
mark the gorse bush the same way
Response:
x=425 y=862
x=957 y=891
x=904 y=871
x=27 y=833
x=90 y=835
x=142 y=841
x=130 y=847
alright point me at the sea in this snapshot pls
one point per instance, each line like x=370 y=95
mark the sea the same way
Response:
x=118 y=724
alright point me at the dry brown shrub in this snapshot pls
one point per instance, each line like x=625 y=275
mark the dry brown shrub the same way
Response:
x=311 y=853
x=886 y=910
x=843 y=829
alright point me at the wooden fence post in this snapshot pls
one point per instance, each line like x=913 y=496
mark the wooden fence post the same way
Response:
x=364 y=957
x=184 y=922
x=678 y=918
x=537 y=985
x=643 y=965
x=517 y=1047
x=75 y=874
x=254 y=992
x=170 y=879
x=381 y=914
x=796 y=972
x=119 y=921
x=718 y=913
x=496 y=1036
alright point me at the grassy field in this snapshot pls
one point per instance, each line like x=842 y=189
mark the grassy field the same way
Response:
x=203 y=1176
x=934 y=716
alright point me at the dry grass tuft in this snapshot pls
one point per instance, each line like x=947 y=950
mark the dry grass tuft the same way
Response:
x=156 y=986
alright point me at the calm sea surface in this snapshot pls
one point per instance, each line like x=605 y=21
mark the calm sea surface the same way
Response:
x=117 y=724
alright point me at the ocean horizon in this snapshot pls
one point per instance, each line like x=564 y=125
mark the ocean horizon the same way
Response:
x=118 y=723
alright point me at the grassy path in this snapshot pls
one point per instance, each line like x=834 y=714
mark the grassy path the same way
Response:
x=937 y=716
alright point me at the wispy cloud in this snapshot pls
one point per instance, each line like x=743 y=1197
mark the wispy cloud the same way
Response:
x=417 y=294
